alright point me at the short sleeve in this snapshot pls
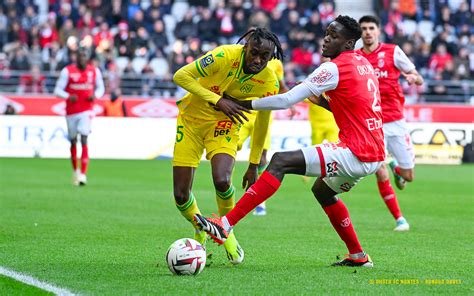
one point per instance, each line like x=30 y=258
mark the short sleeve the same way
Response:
x=401 y=61
x=324 y=78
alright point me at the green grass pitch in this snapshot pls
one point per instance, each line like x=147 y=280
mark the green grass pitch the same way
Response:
x=110 y=237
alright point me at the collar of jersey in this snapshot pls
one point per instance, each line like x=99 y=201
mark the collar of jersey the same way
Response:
x=244 y=77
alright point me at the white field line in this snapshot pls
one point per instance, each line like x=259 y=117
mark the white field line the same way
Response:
x=35 y=282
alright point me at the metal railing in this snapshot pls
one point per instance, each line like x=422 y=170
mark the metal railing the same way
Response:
x=148 y=85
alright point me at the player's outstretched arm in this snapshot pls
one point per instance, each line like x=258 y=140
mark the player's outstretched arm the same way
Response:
x=283 y=101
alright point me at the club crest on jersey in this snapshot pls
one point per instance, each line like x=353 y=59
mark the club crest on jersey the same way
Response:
x=223 y=129
x=207 y=60
x=381 y=63
x=323 y=76
x=246 y=88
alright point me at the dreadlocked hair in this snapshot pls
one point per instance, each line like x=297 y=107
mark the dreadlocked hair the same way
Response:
x=351 y=27
x=258 y=34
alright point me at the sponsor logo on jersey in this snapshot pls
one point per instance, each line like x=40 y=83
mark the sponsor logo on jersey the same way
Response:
x=223 y=129
x=345 y=187
x=381 y=55
x=246 y=88
x=257 y=80
x=220 y=54
x=215 y=89
x=323 y=76
x=235 y=63
x=207 y=60
x=381 y=74
x=332 y=168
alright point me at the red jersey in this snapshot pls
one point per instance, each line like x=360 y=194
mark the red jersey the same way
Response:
x=82 y=83
x=352 y=89
x=388 y=60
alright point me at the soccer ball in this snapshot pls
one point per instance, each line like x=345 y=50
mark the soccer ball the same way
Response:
x=186 y=257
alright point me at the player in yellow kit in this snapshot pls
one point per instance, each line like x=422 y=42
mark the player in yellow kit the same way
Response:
x=323 y=125
x=247 y=129
x=205 y=122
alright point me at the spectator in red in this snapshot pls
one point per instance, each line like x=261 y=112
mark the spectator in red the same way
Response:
x=303 y=58
x=439 y=59
x=48 y=32
x=86 y=22
x=103 y=38
x=268 y=5
x=33 y=82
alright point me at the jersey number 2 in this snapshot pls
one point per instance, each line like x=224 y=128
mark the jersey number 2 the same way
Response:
x=371 y=87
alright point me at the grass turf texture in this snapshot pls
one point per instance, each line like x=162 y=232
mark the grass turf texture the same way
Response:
x=111 y=237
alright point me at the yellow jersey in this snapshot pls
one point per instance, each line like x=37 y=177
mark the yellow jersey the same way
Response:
x=218 y=71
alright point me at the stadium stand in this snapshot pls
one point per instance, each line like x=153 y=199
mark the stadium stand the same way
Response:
x=139 y=44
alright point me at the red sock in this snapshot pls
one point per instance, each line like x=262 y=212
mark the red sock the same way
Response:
x=389 y=197
x=340 y=220
x=84 y=159
x=265 y=186
x=74 y=157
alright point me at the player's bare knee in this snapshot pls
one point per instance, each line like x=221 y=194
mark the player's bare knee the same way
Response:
x=277 y=164
x=181 y=196
x=222 y=184
x=382 y=174
x=322 y=196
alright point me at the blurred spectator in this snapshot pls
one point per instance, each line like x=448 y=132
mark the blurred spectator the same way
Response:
x=32 y=82
x=9 y=110
x=115 y=107
x=186 y=28
x=123 y=41
x=48 y=32
x=158 y=37
x=29 y=19
x=3 y=28
x=439 y=59
x=66 y=31
x=103 y=39
x=20 y=60
x=462 y=64
x=207 y=26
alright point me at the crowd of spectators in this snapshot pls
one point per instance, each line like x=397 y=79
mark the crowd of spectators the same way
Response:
x=133 y=38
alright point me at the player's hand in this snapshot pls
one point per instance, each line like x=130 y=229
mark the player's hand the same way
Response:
x=233 y=110
x=250 y=176
x=91 y=98
x=315 y=100
x=411 y=78
x=73 y=98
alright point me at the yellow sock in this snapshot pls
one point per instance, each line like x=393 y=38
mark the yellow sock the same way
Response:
x=189 y=209
x=225 y=200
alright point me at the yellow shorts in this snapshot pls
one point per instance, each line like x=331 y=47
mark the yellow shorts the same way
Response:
x=323 y=125
x=246 y=130
x=194 y=135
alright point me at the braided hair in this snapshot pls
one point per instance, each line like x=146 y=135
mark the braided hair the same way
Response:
x=258 y=34
x=352 y=28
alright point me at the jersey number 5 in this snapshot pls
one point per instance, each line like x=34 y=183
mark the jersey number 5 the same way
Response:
x=179 y=134
x=371 y=87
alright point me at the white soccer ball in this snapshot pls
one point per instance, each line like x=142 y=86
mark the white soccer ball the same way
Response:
x=186 y=257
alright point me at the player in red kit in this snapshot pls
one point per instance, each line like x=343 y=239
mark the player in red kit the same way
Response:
x=352 y=94
x=389 y=61
x=80 y=84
